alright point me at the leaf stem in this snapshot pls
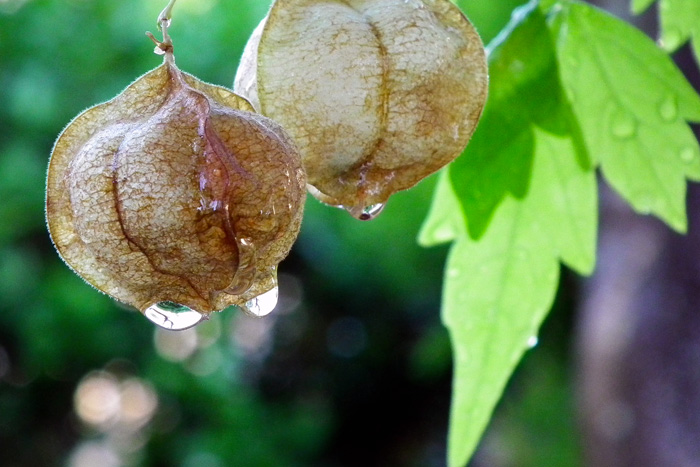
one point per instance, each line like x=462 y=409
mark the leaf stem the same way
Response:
x=164 y=47
x=167 y=14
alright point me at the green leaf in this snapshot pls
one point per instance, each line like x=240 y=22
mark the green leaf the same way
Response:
x=639 y=6
x=527 y=173
x=524 y=91
x=485 y=173
x=487 y=342
x=632 y=104
x=483 y=294
x=566 y=197
x=528 y=176
x=445 y=221
x=680 y=21
x=498 y=289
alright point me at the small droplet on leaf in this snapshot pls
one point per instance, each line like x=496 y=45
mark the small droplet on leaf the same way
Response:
x=645 y=203
x=668 y=109
x=670 y=38
x=624 y=125
x=688 y=154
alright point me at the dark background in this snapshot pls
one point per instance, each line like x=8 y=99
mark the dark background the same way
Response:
x=353 y=368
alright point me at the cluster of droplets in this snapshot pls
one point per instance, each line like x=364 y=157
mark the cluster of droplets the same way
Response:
x=176 y=317
x=624 y=125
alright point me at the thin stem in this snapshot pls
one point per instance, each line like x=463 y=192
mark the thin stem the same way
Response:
x=167 y=13
x=164 y=21
x=164 y=47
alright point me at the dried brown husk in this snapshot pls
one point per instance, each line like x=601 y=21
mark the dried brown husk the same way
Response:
x=377 y=94
x=176 y=191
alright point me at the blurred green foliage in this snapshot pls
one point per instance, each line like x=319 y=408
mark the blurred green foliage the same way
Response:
x=353 y=369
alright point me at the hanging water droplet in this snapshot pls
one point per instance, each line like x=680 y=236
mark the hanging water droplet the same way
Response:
x=263 y=304
x=173 y=316
x=365 y=213
x=245 y=273
x=624 y=125
x=532 y=341
x=669 y=108
x=688 y=154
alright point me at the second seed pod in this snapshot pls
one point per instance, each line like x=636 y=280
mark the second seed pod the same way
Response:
x=377 y=94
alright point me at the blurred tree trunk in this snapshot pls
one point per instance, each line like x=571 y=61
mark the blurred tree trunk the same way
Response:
x=638 y=336
x=639 y=343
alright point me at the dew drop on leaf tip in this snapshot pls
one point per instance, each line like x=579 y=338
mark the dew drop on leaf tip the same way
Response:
x=670 y=39
x=173 y=316
x=688 y=155
x=645 y=203
x=263 y=304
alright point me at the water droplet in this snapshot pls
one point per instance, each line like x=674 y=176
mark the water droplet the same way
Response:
x=624 y=125
x=532 y=341
x=645 y=203
x=572 y=61
x=173 y=316
x=263 y=304
x=688 y=155
x=365 y=213
x=522 y=254
x=669 y=108
x=441 y=233
x=671 y=39
x=245 y=274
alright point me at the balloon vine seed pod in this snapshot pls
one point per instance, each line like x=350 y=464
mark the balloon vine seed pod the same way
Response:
x=175 y=197
x=377 y=94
